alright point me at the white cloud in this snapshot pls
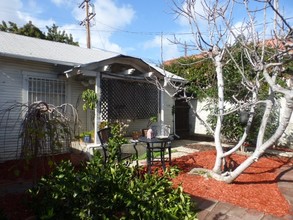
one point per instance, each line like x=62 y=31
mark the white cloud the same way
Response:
x=100 y=41
x=33 y=7
x=20 y=13
x=196 y=10
x=40 y=23
x=168 y=49
x=58 y=2
x=62 y=3
x=109 y=17
x=9 y=9
x=113 y=15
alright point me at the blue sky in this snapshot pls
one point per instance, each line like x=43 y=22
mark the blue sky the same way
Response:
x=140 y=28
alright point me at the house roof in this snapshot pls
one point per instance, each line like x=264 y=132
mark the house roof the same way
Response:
x=141 y=69
x=35 y=49
x=168 y=74
x=202 y=55
x=285 y=46
x=29 y=48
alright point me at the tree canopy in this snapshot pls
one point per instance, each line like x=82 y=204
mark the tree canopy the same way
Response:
x=30 y=30
x=247 y=70
x=201 y=73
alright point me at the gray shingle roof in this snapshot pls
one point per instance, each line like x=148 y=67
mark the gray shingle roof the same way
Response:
x=13 y=45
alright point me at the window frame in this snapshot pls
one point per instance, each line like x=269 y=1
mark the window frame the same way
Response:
x=47 y=78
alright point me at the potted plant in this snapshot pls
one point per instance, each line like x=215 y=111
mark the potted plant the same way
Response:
x=86 y=136
x=90 y=99
x=151 y=120
x=103 y=124
x=136 y=135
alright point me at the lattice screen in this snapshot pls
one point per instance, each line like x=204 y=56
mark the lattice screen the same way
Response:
x=121 y=99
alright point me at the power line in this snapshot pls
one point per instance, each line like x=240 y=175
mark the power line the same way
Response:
x=155 y=33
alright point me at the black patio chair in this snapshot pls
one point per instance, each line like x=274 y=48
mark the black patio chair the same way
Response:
x=104 y=136
x=162 y=148
x=162 y=130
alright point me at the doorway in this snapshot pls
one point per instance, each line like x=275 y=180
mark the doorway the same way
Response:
x=182 y=118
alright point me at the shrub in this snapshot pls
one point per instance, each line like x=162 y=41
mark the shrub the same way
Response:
x=233 y=128
x=111 y=191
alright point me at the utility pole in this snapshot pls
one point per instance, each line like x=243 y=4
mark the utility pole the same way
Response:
x=88 y=16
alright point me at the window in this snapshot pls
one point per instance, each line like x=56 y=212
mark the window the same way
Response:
x=51 y=91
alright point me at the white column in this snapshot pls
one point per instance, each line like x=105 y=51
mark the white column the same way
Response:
x=162 y=118
x=97 y=109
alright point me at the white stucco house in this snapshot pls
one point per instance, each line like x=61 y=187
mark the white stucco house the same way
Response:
x=32 y=69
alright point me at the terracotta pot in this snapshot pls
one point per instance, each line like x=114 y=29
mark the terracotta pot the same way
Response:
x=136 y=135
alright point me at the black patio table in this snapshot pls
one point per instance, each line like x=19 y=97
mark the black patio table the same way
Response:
x=156 y=144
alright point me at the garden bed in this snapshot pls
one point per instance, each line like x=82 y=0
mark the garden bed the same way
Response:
x=18 y=175
x=256 y=189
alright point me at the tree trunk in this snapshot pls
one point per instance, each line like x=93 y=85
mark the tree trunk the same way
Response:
x=288 y=109
x=219 y=148
x=264 y=122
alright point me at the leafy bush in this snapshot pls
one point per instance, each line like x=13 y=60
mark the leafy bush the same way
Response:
x=230 y=121
x=111 y=191
x=90 y=99
x=116 y=141
x=233 y=121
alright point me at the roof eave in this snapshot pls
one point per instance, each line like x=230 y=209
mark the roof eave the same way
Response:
x=55 y=62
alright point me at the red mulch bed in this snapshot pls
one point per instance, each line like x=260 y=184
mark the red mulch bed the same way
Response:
x=256 y=188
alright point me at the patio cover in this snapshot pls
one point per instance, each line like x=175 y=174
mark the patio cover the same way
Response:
x=129 y=67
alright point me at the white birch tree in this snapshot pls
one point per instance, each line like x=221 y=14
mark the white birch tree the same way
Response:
x=266 y=43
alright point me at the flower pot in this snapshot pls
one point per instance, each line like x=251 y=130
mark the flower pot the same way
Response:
x=87 y=138
x=135 y=135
